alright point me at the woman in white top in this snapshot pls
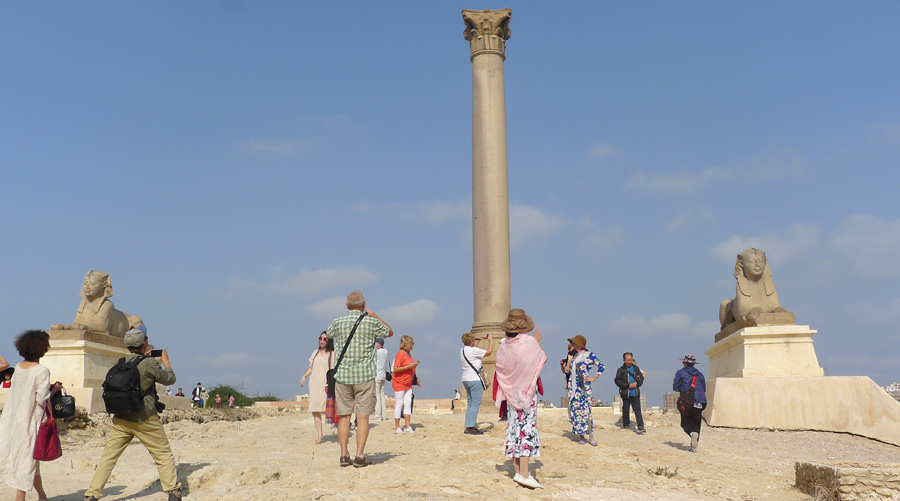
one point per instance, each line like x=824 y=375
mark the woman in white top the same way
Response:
x=472 y=358
x=319 y=362
x=22 y=415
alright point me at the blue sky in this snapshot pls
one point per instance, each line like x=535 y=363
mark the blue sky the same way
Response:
x=238 y=167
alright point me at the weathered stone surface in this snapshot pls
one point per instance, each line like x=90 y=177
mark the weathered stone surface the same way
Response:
x=755 y=290
x=846 y=481
x=847 y=404
x=96 y=312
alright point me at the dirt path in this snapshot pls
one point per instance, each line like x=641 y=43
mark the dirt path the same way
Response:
x=274 y=457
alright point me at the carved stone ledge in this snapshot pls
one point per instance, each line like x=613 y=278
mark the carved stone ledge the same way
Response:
x=487 y=30
x=755 y=320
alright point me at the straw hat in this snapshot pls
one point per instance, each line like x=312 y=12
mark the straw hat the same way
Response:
x=517 y=322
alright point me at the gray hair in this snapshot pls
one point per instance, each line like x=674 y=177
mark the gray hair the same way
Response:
x=356 y=300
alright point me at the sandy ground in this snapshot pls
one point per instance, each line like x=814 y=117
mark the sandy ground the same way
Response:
x=273 y=457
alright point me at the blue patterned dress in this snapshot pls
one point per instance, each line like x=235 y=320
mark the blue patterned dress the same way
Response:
x=579 y=391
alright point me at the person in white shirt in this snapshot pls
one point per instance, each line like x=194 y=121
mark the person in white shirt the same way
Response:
x=471 y=358
x=382 y=368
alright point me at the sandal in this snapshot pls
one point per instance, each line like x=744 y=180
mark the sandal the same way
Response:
x=319 y=440
x=582 y=442
x=593 y=443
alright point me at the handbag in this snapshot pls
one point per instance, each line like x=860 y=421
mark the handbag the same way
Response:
x=63 y=405
x=685 y=401
x=46 y=440
x=480 y=371
x=330 y=382
x=330 y=414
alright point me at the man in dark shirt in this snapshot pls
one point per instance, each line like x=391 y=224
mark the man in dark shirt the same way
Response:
x=629 y=379
x=143 y=424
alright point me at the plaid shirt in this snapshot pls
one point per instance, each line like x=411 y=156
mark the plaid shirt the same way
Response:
x=358 y=365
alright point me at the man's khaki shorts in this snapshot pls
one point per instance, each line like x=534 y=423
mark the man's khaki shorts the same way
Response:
x=358 y=398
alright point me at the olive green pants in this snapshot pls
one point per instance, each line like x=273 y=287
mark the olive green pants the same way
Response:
x=152 y=436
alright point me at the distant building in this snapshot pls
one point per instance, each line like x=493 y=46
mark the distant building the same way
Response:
x=893 y=390
x=669 y=402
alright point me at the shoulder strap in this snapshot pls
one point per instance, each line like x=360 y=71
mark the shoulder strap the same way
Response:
x=467 y=360
x=349 y=338
x=694 y=382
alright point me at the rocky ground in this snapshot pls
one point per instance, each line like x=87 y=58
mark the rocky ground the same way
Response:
x=231 y=455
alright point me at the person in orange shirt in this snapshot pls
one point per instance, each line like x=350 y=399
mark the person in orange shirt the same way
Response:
x=404 y=373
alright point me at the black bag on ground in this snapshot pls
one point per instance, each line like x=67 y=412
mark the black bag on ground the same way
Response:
x=63 y=405
x=122 y=387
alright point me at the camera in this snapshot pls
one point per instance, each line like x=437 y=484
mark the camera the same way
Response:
x=155 y=353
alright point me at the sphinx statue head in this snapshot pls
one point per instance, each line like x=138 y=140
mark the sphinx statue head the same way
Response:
x=96 y=285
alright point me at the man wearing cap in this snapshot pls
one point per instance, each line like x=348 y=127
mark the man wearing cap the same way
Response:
x=355 y=377
x=143 y=424
x=686 y=379
x=381 y=367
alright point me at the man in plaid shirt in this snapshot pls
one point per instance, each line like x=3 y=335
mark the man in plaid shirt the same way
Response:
x=355 y=377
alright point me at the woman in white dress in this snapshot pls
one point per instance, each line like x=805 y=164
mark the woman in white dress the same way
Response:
x=22 y=415
x=319 y=362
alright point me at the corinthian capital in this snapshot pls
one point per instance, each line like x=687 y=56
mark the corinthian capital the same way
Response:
x=487 y=30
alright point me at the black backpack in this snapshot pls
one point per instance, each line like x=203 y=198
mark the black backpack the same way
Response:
x=122 y=387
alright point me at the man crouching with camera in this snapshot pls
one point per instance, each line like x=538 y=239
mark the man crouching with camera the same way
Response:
x=142 y=423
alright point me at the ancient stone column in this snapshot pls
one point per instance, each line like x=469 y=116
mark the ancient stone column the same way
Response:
x=487 y=32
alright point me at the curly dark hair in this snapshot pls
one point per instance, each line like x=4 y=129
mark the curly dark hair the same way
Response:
x=33 y=344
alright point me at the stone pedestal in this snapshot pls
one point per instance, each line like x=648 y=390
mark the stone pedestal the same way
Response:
x=769 y=377
x=846 y=404
x=765 y=351
x=80 y=360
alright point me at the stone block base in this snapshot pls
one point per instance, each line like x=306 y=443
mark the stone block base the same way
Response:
x=80 y=359
x=853 y=404
x=765 y=351
x=848 y=481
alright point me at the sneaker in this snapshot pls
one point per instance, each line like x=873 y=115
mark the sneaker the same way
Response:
x=92 y=498
x=345 y=461
x=641 y=431
x=692 y=449
x=399 y=431
x=361 y=461
x=175 y=495
x=695 y=440
x=408 y=429
x=518 y=478
x=473 y=431
x=530 y=482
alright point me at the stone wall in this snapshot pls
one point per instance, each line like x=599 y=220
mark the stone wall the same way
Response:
x=849 y=481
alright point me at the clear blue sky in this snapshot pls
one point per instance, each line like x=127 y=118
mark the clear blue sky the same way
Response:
x=238 y=167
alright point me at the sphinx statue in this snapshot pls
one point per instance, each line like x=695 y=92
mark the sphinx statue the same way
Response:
x=755 y=292
x=96 y=312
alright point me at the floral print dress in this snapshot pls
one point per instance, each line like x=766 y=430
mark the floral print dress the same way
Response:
x=579 y=391
x=522 y=438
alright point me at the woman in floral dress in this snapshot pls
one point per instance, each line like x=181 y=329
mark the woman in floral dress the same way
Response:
x=519 y=362
x=579 y=388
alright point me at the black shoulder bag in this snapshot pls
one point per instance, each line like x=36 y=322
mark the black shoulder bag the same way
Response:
x=685 y=400
x=329 y=376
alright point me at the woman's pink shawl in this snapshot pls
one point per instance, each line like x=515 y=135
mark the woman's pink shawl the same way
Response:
x=519 y=363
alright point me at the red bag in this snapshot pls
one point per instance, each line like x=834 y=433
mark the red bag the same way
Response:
x=46 y=441
x=330 y=414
